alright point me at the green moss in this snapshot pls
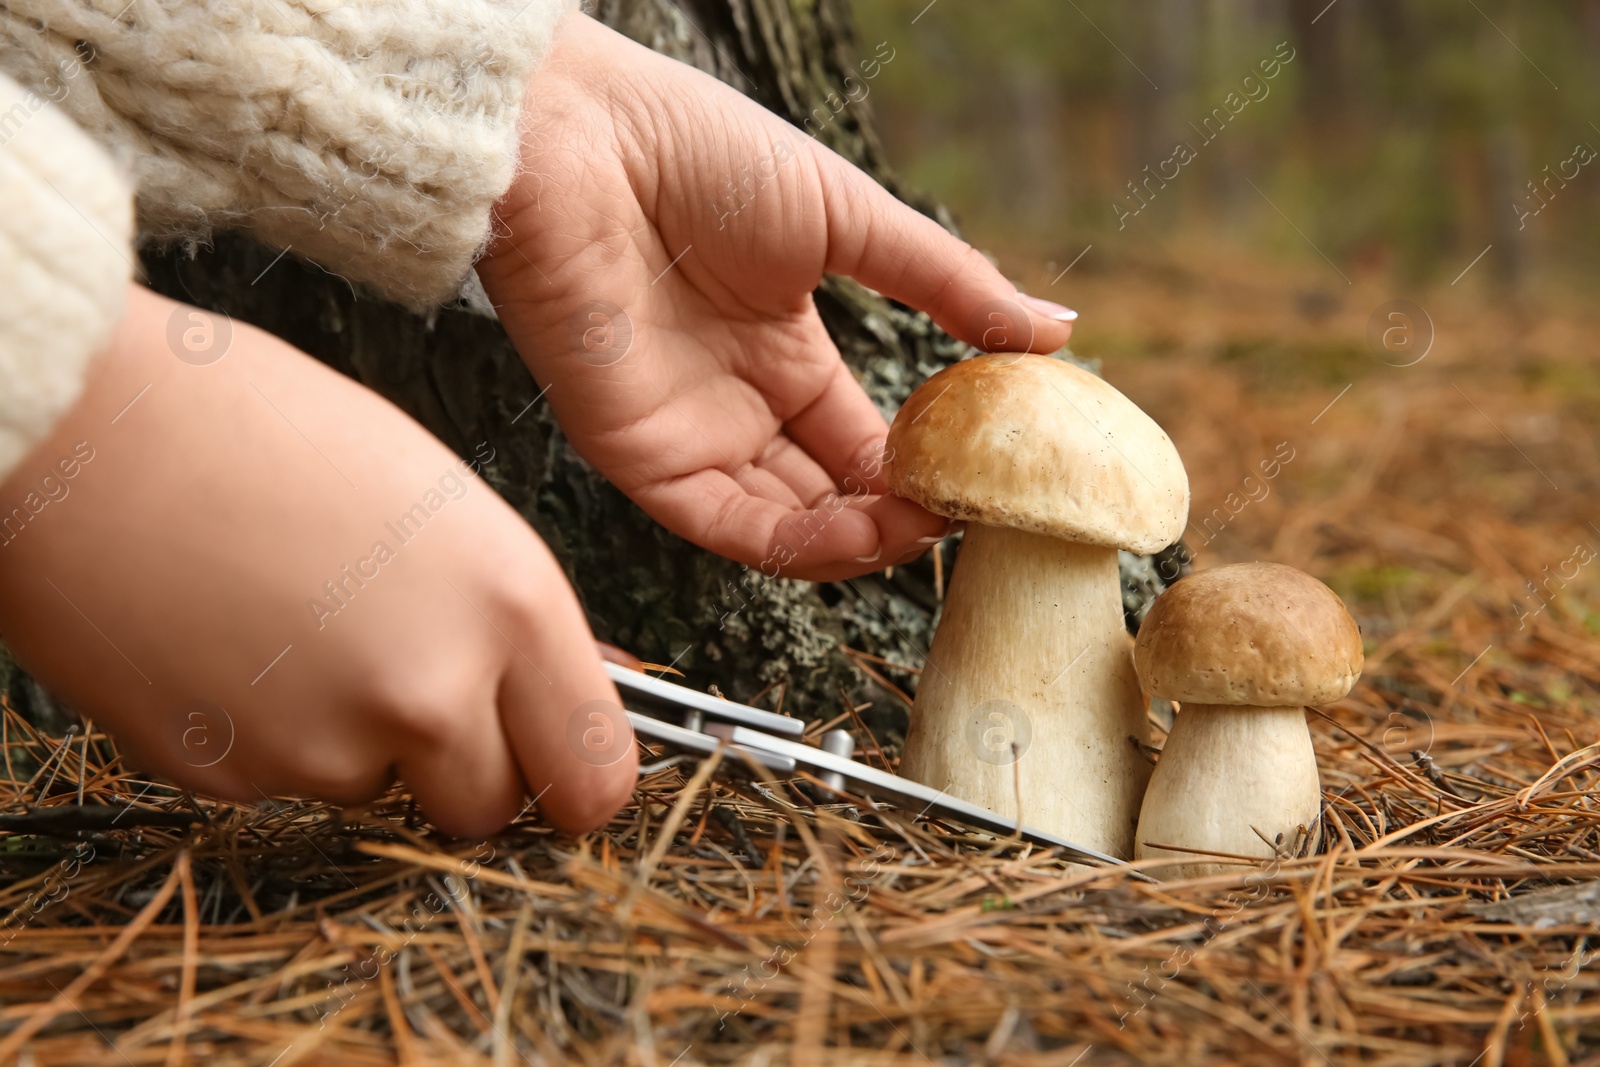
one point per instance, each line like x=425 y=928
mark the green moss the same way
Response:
x=1372 y=584
x=1275 y=364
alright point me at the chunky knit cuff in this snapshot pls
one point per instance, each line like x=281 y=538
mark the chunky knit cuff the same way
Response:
x=370 y=136
x=66 y=255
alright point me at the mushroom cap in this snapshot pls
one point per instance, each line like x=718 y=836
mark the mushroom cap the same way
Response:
x=1258 y=634
x=1041 y=445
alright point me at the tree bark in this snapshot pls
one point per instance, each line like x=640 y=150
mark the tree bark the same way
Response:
x=455 y=372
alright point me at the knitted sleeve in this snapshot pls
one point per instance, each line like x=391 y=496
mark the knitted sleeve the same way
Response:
x=370 y=136
x=66 y=256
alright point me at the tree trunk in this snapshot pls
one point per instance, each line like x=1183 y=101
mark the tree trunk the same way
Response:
x=455 y=372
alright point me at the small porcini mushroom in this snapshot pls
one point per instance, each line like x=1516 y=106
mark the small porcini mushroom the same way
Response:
x=1053 y=470
x=1243 y=649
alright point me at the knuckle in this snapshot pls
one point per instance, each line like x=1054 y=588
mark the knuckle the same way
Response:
x=525 y=595
x=524 y=600
x=423 y=706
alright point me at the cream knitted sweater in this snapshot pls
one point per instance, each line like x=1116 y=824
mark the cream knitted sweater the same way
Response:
x=370 y=136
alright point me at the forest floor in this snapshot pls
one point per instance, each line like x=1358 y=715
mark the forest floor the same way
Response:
x=1447 y=918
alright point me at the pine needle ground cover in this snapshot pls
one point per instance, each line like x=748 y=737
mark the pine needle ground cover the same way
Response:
x=1448 y=912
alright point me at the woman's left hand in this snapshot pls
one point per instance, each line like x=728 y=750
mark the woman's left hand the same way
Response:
x=663 y=243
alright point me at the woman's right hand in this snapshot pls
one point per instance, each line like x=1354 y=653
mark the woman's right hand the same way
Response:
x=263 y=579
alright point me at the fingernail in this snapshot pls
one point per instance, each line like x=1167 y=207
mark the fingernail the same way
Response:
x=1047 y=309
x=935 y=539
x=872 y=558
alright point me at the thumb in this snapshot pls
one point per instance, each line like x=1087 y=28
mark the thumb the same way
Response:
x=896 y=250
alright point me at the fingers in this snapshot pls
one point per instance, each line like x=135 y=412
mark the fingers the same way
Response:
x=565 y=724
x=722 y=512
x=905 y=531
x=572 y=739
x=786 y=474
x=470 y=787
x=844 y=432
x=896 y=250
x=841 y=538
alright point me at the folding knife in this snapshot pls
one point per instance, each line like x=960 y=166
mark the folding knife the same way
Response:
x=696 y=723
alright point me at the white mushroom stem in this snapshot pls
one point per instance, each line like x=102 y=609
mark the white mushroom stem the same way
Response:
x=1226 y=773
x=1032 y=642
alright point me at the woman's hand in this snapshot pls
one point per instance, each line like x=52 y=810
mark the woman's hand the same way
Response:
x=263 y=578
x=663 y=244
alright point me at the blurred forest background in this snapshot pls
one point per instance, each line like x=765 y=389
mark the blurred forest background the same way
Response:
x=1400 y=140
x=1233 y=193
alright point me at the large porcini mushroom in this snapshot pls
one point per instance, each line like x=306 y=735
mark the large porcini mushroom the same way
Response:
x=1029 y=688
x=1243 y=649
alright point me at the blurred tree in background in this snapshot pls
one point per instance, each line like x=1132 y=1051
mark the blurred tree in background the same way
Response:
x=1400 y=139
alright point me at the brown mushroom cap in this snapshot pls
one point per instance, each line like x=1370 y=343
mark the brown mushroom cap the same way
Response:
x=1038 y=444
x=1259 y=634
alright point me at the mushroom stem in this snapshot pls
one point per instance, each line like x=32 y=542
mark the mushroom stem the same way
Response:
x=1227 y=772
x=1032 y=650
